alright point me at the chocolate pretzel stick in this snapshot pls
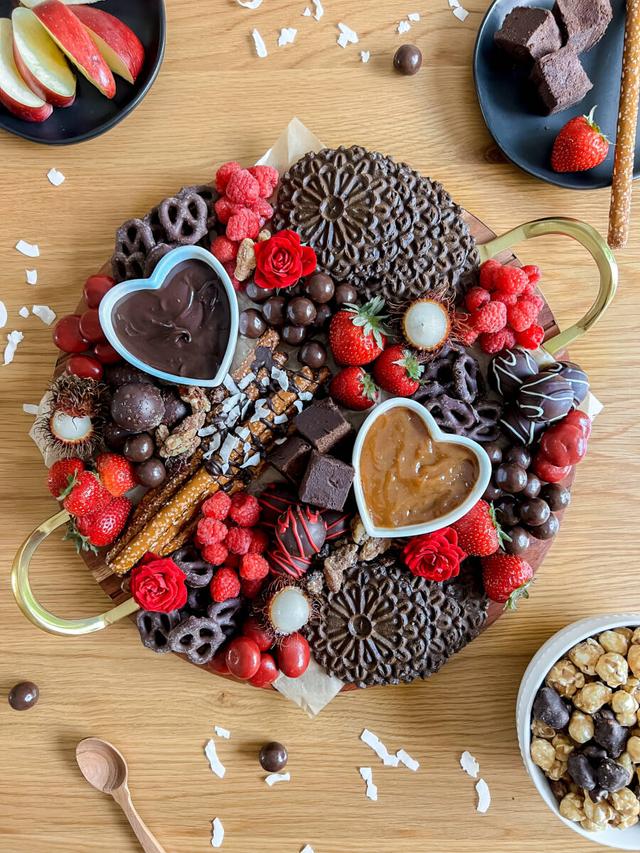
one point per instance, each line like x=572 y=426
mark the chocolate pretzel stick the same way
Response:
x=620 y=210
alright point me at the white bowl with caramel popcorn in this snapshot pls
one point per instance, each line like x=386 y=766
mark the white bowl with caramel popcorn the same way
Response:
x=578 y=716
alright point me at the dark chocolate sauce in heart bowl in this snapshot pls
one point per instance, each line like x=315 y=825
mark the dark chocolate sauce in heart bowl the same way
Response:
x=181 y=324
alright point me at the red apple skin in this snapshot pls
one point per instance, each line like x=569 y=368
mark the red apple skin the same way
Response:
x=36 y=86
x=70 y=35
x=117 y=35
x=24 y=111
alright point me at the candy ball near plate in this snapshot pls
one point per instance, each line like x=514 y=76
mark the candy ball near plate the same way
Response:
x=151 y=473
x=408 y=59
x=320 y=288
x=346 y=294
x=273 y=757
x=251 y=323
x=23 y=696
x=139 y=448
x=137 y=407
x=301 y=311
x=313 y=354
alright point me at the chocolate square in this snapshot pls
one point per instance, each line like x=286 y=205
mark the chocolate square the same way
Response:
x=583 y=22
x=323 y=425
x=291 y=458
x=327 y=482
x=560 y=80
x=527 y=34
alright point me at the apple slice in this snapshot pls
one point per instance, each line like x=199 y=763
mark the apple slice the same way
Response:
x=40 y=62
x=17 y=97
x=31 y=3
x=72 y=38
x=118 y=44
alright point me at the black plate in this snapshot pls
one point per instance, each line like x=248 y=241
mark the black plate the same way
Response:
x=514 y=121
x=91 y=113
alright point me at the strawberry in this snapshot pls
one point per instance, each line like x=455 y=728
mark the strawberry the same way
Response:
x=506 y=578
x=398 y=371
x=354 y=389
x=87 y=496
x=579 y=146
x=103 y=527
x=479 y=533
x=116 y=473
x=356 y=333
x=63 y=475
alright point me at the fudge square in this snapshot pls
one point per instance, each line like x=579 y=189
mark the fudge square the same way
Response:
x=327 y=482
x=560 y=80
x=323 y=425
x=527 y=34
x=583 y=22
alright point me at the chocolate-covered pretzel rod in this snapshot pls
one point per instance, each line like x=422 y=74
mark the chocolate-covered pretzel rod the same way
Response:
x=620 y=210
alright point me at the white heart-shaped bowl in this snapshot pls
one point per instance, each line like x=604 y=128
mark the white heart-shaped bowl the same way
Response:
x=555 y=648
x=155 y=282
x=484 y=475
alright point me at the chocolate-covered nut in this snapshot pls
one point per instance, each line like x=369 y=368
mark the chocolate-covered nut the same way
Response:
x=323 y=315
x=294 y=335
x=137 y=407
x=594 y=753
x=313 y=354
x=346 y=294
x=609 y=734
x=23 y=696
x=139 y=448
x=273 y=757
x=519 y=456
x=548 y=529
x=581 y=771
x=558 y=497
x=546 y=398
x=534 y=512
x=550 y=709
x=494 y=452
x=114 y=436
x=251 y=323
x=175 y=409
x=611 y=775
x=598 y=794
x=273 y=310
x=491 y=493
x=301 y=311
x=507 y=512
x=510 y=477
x=151 y=473
x=532 y=489
x=518 y=541
x=320 y=288
x=509 y=369
x=256 y=293
x=408 y=59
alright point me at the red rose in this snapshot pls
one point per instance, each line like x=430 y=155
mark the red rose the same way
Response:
x=282 y=260
x=158 y=585
x=435 y=556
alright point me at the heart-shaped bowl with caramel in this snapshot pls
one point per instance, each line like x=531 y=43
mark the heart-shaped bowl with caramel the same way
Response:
x=410 y=477
x=180 y=324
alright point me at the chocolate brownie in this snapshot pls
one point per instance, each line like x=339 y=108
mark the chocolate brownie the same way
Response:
x=582 y=22
x=327 y=482
x=527 y=34
x=560 y=80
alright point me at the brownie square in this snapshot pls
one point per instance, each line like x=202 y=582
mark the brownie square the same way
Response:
x=527 y=34
x=291 y=458
x=326 y=482
x=582 y=22
x=560 y=80
x=323 y=425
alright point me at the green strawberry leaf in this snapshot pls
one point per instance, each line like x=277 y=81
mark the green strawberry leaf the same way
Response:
x=72 y=479
x=502 y=536
x=518 y=594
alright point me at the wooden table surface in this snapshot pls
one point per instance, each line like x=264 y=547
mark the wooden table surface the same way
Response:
x=214 y=101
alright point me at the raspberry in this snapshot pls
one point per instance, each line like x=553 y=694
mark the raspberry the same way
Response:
x=215 y=554
x=493 y=342
x=267 y=178
x=533 y=273
x=253 y=567
x=467 y=336
x=210 y=531
x=487 y=273
x=242 y=187
x=259 y=541
x=501 y=296
x=537 y=300
x=522 y=314
x=224 y=173
x=245 y=510
x=217 y=506
x=250 y=589
x=243 y=224
x=225 y=209
x=531 y=338
x=476 y=298
x=224 y=249
x=510 y=280
x=490 y=318
x=238 y=540
x=225 y=585
x=262 y=209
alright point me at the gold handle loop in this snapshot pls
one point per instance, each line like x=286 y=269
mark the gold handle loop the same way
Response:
x=593 y=242
x=31 y=607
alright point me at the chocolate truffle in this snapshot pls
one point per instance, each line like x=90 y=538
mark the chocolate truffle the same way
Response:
x=273 y=757
x=534 y=512
x=323 y=314
x=114 y=436
x=582 y=22
x=320 y=288
x=291 y=458
x=301 y=311
x=300 y=533
x=547 y=530
x=273 y=310
x=139 y=448
x=137 y=407
x=323 y=425
x=558 y=497
x=509 y=369
x=326 y=482
x=294 y=335
x=313 y=354
x=175 y=409
x=346 y=294
x=256 y=293
x=510 y=477
x=528 y=33
x=151 y=473
x=518 y=541
x=408 y=59
x=560 y=80
x=251 y=323
x=545 y=398
x=23 y=696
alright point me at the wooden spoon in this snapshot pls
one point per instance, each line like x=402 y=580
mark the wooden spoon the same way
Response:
x=104 y=767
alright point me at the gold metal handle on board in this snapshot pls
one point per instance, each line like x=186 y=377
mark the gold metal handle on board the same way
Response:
x=31 y=607
x=597 y=247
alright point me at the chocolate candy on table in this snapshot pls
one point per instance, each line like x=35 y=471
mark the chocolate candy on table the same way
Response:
x=151 y=473
x=291 y=458
x=326 y=482
x=518 y=541
x=301 y=311
x=175 y=409
x=408 y=59
x=320 y=288
x=273 y=310
x=313 y=354
x=273 y=757
x=256 y=293
x=294 y=335
x=532 y=489
x=547 y=530
x=507 y=511
x=558 y=497
x=510 y=477
x=139 y=448
x=509 y=369
x=494 y=452
x=346 y=294
x=534 y=512
x=251 y=323
x=518 y=455
x=608 y=733
x=323 y=426
x=546 y=398
x=580 y=769
x=137 y=407
x=492 y=493
x=549 y=708
x=23 y=696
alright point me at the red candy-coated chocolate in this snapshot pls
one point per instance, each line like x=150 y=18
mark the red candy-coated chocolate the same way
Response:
x=581 y=420
x=262 y=636
x=563 y=444
x=85 y=366
x=219 y=662
x=90 y=327
x=95 y=288
x=267 y=672
x=243 y=657
x=67 y=335
x=106 y=354
x=294 y=655
x=546 y=471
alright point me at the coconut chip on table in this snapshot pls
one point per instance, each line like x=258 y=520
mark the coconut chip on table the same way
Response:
x=216 y=765
x=222 y=732
x=403 y=27
x=273 y=778
x=307 y=849
x=56 y=178
x=365 y=55
x=29 y=250
x=13 y=339
x=249 y=4
x=484 y=797
x=469 y=764
x=217 y=832
x=461 y=13
x=44 y=313
x=347 y=35
x=414 y=17
x=3 y=315
x=371 y=790
x=287 y=36
x=261 y=48
x=31 y=276
x=24 y=312
x=31 y=409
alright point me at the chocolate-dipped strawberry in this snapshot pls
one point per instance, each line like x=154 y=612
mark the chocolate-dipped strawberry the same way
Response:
x=546 y=398
x=509 y=369
x=300 y=533
x=575 y=376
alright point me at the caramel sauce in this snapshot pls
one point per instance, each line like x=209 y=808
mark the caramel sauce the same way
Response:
x=407 y=477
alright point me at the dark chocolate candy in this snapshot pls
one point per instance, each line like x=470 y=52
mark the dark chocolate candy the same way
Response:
x=151 y=473
x=609 y=734
x=581 y=772
x=560 y=80
x=139 y=448
x=517 y=427
x=313 y=354
x=527 y=33
x=326 y=482
x=300 y=534
x=612 y=776
x=408 y=59
x=323 y=425
x=301 y=311
x=582 y=22
x=23 y=696
x=291 y=458
x=274 y=500
x=549 y=708
x=294 y=335
x=137 y=407
x=273 y=757
x=320 y=288
x=575 y=376
x=546 y=398
x=509 y=369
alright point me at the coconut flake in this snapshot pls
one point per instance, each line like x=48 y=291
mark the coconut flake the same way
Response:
x=30 y=409
x=252 y=461
x=273 y=778
x=249 y=4
x=365 y=55
x=403 y=27
x=55 y=177
x=469 y=764
x=307 y=849
x=460 y=13
x=347 y=35
x=44 y=313
x=230 y=384
x=371 y=790
x=13 y=339
x=31 y=276
x=216 y=765
x=408 y=761
x=246 y=380
x=287 y=36
x=484 y=797
x=261 y=48
x=217 y=832
x=374 y=743
x=24 y=312
x=280 y=376
x=306 y=13
x=30 y=250
x=413 y=16
x=220 y=732
x=3 y=315
x=319 y=10
x=454 y=4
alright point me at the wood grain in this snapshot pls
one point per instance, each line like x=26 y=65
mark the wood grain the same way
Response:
x=213 y=101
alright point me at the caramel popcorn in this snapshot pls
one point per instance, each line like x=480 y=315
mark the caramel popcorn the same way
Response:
x=612 y=669
x=565 y=678
x=633 y=658
x=633 y=749
x=543 y=754
x=581 y=727
x=563 y=746
x=614 y=641
x=592 y=697
x=572 y=807
x=600 y=813
x=540 y=729
x=585 y=655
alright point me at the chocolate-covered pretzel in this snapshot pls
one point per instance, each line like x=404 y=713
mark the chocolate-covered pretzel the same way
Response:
x=452 y=415
x=155 y=256
x=198 y=637
x=488 y=414
x=198 y=572
x=184 y=218
x=155 y=628
x=226 y=614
